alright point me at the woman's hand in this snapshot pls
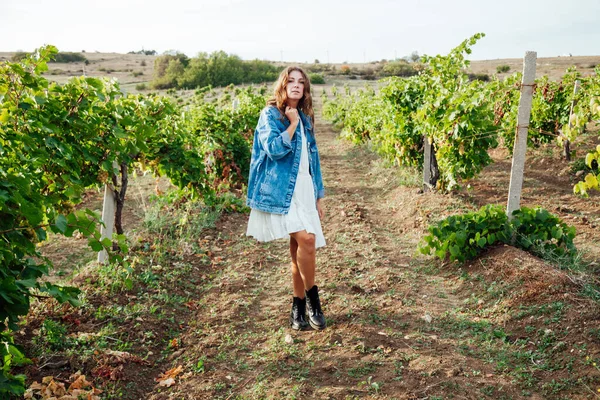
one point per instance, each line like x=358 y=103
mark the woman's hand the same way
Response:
x=292 y=115
x=320 y=209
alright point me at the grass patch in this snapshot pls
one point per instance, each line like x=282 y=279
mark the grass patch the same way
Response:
x=522 y=358
x=363 y=369
x=136 y=309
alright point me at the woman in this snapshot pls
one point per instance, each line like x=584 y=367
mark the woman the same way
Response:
x=285 y=188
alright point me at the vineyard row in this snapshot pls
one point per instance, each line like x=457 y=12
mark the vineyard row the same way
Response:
x=56 y=141
x=464 y=119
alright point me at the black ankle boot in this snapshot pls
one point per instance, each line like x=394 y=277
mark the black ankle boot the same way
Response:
x=297 y=316
x=316 y=319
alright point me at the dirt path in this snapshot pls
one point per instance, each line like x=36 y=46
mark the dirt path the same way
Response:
x=397 y=327
x=400 y=325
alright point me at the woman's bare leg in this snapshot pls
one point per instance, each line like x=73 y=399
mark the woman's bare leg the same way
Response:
x=305 y=259
x=298 y=284
x=298 y=313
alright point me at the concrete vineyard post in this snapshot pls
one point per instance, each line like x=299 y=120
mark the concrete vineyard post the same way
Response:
x=108 y=216
x=520 y=145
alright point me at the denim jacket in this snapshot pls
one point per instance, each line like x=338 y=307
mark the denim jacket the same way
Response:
x=276 y=160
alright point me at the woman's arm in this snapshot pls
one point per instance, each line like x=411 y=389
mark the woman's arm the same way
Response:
x=292 y=115
x=275 y=142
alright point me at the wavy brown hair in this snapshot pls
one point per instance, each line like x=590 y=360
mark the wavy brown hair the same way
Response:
x=279 y=98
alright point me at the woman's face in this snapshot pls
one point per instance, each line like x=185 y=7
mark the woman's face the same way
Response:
x=295 y=86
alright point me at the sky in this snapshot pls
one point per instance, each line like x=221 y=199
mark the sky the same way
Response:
x=330 y=31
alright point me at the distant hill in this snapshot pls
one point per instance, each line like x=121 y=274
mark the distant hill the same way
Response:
x=134 y=69
x=129 y=69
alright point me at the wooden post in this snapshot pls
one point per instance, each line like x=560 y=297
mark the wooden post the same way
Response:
x=108 y=216
x=567 y=144
x=520 y=145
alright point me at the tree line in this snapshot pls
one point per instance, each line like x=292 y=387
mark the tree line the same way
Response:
x=215 y=69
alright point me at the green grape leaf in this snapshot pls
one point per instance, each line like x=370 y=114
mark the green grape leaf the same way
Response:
x=61 y=223
x=591 y=181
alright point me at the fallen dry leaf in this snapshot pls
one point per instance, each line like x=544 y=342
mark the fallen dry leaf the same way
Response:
x=173 y=372
x=36 y=386
x=167 y=382
x=121 y=357
x=79 y=383
x=56 y=388
x=168 y=378
x=50 y=389
x=106 y=371
x=186 y=375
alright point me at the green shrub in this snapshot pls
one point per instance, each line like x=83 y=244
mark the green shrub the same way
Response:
x=479 y=77
x=137 y=73
x=53 y=335
x=463 y=237
x=581 y=165
x=398 y=68
x=144 y=52
x=203 y=90
x=316 y=79
x=318 y=68
x=542 y=233
x=502 y=68
x=140 y=87
x=65 y=57
x=18 y=56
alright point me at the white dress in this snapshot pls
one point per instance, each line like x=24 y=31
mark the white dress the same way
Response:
x=302 y=215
